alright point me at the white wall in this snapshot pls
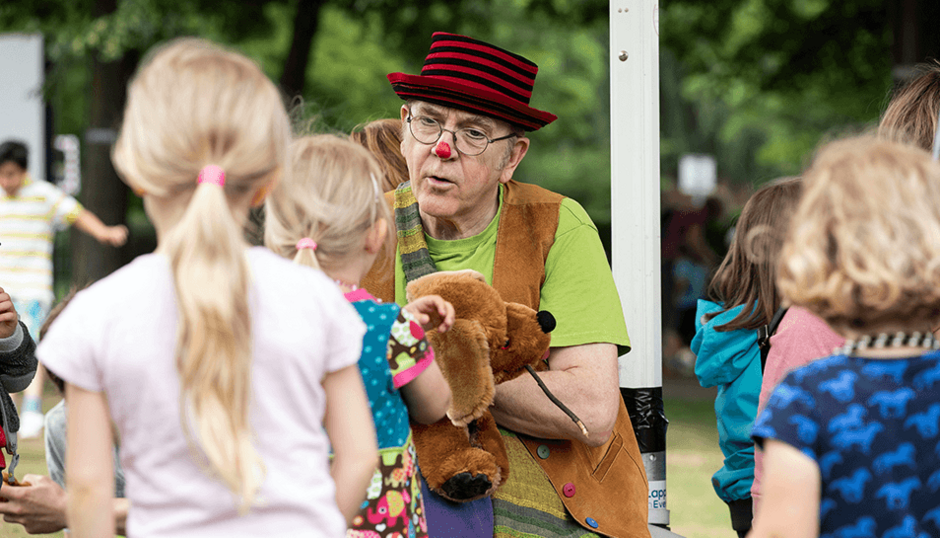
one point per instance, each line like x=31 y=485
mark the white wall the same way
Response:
x=22 y=110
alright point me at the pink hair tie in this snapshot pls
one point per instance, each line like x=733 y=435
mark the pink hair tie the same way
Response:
x=212 y=174
x=306 y=242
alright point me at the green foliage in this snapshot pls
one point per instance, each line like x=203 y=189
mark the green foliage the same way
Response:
x=357 y=44
x=769 y=78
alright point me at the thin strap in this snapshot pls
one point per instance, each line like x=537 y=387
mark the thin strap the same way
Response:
x=765 y=332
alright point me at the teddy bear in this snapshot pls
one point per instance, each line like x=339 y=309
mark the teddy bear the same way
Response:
x=462 y=456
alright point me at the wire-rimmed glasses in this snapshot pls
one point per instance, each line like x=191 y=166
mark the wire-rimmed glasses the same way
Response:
x=469 y=141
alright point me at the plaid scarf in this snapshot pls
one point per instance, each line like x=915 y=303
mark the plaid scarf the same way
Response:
x=415 y=258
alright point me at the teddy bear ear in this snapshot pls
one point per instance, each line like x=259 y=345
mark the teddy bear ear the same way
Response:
x=419 y=287
x=470 y=273
x=416 y=287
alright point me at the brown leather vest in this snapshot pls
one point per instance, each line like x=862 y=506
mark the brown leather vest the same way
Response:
x=609 y=482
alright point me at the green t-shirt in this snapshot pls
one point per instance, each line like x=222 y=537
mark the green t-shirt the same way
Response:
x=579 y=288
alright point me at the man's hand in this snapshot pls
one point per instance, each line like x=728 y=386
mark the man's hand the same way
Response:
x=432 y=312
x=39 y=508
x=8 y=317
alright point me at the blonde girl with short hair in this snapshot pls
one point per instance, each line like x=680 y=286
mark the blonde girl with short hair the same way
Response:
x=331 y=215
x=850 y=441
x=219 y=364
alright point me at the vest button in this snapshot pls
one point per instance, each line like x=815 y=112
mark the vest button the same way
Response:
x=568 y=489
x=542 y=451
x=591 y=523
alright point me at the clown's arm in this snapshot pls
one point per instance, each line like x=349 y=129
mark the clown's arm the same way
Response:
x=583 y=377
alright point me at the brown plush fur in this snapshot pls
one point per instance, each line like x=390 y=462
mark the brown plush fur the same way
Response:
x=491 y=341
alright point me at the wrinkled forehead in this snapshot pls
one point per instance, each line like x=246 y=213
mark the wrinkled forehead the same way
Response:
x=462 y=117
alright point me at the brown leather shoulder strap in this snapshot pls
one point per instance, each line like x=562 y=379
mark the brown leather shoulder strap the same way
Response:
x=526 y=233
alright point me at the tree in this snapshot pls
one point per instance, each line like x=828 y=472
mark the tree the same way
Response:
x=336 y=55
x=783 y=72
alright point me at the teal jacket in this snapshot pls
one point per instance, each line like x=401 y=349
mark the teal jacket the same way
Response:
x=731 y=361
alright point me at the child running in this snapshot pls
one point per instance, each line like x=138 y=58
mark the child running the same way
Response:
x=221 y=365
x=332 y=215
x=851 y=441
x=742 y=298
x=31 y=211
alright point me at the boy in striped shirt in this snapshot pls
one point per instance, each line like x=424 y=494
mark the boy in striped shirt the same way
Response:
x=31 y=212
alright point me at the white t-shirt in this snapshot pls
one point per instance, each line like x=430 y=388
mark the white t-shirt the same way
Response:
x=28 y=222
x=119 y=337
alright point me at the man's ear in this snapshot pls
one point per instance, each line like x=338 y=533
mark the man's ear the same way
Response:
x=404 y=127
x=519 y=148
x=376 y=236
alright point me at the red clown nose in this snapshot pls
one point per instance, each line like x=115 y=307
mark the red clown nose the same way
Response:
x=443 y=150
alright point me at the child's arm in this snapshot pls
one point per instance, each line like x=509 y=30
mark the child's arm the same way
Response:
x=40 y=507
x=790 y=492
x=89 y=223
x=432 y=312
x=89 y=464
x=427 y=396
x=348 y=423
x=17 y=349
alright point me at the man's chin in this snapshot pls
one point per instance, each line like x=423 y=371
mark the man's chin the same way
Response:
x=436 y=205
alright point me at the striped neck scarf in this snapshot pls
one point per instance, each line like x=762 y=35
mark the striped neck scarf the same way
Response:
x=415 y=259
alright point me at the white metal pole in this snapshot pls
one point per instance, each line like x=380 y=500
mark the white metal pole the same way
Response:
x=635 y=234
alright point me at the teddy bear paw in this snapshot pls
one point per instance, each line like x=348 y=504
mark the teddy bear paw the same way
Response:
x=463 y=417
x=465 y=487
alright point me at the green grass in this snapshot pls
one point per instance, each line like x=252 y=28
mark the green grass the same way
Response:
x=692 y=456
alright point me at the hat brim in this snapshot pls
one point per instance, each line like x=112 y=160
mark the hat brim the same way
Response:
x=477 y=100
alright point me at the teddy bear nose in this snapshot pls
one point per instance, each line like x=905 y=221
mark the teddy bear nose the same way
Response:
x=546 y=321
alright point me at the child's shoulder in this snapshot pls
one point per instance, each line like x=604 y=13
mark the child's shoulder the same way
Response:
x=369 y=306
x=274 y=276
x=821 y=370
x=144 y=280
x=39 y=187
x=142 y=273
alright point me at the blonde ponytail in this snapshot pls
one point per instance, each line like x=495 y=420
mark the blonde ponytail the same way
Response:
x=206 y=252
x=194 y=104
x=307 y=257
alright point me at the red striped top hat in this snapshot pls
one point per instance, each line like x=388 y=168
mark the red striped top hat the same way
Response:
x=465 y=73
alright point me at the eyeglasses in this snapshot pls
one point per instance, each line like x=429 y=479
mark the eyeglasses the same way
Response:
x=469 y=141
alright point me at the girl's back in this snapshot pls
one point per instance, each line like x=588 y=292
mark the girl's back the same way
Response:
x=872 y=426
x=126 y=327
x=332 y=216
x=851 y=440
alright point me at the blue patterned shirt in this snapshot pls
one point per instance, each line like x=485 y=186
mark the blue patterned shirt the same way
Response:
x=872 y=426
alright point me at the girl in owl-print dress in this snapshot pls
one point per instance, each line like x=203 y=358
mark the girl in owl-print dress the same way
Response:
x=330 y=215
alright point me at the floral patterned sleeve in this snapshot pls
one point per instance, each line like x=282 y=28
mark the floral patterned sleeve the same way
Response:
x=409 y=352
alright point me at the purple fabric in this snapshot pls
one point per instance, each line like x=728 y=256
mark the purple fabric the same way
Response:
x=448 y=519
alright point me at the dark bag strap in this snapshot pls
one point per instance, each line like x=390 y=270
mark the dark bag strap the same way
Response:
x=764 y=333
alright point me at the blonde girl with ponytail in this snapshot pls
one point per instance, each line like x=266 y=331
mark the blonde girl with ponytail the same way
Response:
x=219 y=364
x=331 y=215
